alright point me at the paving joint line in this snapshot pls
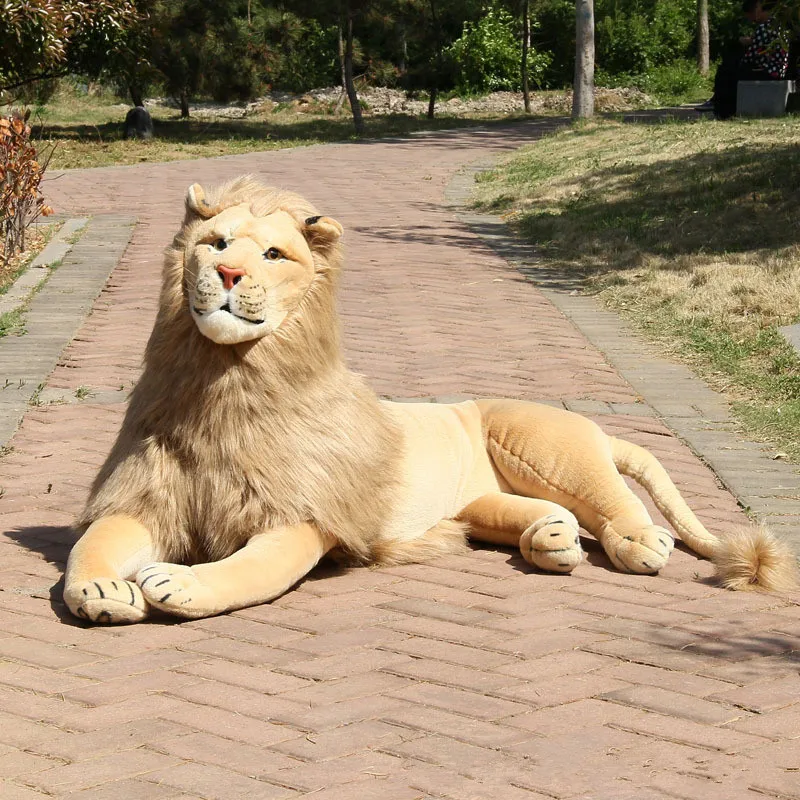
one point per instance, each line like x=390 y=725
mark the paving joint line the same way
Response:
x=763 y=486
x=56 y=312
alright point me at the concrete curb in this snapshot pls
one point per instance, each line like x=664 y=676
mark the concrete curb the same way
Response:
x=792 y=335
x=56 y=313
x=38 y=271
x=767 y=488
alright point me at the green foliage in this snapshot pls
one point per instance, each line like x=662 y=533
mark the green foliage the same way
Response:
x=295 y=53
x=675 y=83
x=239 y=49
x=554 y=31
x=632 y=37
x=40 y=39
x=487 y=56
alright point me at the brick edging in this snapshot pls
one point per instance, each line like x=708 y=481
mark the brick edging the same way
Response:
x=767 y=488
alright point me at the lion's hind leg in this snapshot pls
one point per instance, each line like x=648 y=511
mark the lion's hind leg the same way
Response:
x=546 y=533
x=95 y=585
x=554 y=454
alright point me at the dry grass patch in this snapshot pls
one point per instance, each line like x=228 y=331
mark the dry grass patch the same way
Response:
x=36 y=237
x=688 y=229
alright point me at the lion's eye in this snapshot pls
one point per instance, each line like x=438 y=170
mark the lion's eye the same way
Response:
x=219 y=244
x=273 y=254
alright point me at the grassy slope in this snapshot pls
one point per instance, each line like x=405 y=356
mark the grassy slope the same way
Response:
x=688 y=229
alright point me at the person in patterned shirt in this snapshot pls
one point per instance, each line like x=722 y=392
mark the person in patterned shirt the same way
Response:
x=765 y=57
x=760 y=57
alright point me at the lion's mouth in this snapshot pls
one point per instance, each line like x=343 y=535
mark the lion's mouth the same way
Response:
x=226 y=307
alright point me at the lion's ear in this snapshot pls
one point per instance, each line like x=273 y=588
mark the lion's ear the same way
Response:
x=196 y=202
x=322 y=232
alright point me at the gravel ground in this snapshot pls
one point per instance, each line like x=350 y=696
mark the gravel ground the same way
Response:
x=380 y=101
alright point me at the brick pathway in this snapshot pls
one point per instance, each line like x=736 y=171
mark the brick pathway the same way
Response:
x=465 y=678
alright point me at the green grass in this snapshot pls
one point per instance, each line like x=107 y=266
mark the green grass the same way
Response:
x=688 y=229
x=87 y=131
x=12 y=323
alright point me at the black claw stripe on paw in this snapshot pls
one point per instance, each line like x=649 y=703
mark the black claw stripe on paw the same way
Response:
x=114 y=584
x=165 y=597
x=149 y=577
x=166 y=580
x=133 y=596
x=100 y=589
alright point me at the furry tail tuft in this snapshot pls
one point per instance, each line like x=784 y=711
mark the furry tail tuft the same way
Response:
x=447 y=537
x=752 y=558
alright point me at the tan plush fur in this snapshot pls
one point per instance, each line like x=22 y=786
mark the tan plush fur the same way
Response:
x=249 y=451
x=752 y=558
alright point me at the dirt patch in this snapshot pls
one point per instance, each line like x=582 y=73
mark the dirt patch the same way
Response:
x=381 y=101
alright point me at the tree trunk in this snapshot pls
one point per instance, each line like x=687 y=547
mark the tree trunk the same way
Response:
x=135 y=91
x=184 y=101
x=583 y=86
x=342 y=72
x=703 y=58
x=432 y=101
x=352 y=96
x=526 y=43
x=437 y=63
x=403 y=65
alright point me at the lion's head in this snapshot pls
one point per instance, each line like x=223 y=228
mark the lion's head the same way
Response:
x=250 y=255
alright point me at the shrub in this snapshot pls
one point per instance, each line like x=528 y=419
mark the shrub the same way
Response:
x=634 y=38
x=21 y=201
x=488 y=54
x=678 y=82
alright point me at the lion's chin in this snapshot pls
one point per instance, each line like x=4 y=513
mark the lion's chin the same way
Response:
x=223 y=327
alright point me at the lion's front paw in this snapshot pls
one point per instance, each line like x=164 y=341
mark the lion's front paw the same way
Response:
x=644 y=551
x=176 y=589
x=108 y=601
x=552 y=543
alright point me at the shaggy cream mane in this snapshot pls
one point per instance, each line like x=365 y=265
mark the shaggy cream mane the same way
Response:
x=220 y=441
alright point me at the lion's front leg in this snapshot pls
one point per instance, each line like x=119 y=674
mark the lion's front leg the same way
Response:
x=268 y=565
x=95 y=586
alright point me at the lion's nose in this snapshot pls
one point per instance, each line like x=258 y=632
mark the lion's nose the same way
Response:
x=230 y=277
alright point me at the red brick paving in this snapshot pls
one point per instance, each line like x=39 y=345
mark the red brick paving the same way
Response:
x=464 y=678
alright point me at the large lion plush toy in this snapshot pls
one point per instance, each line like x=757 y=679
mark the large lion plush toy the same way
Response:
x=249 y=451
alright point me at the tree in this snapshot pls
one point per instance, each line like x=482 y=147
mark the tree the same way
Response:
x=703 y=56
x=583 y=86
x=45 y=39
x=526 y=43
x=346 y=23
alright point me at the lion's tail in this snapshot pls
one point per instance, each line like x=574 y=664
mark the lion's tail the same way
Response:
x=447 y=537
x=749 y=557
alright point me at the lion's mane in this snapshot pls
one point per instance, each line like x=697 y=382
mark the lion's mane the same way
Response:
x=223 y=441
